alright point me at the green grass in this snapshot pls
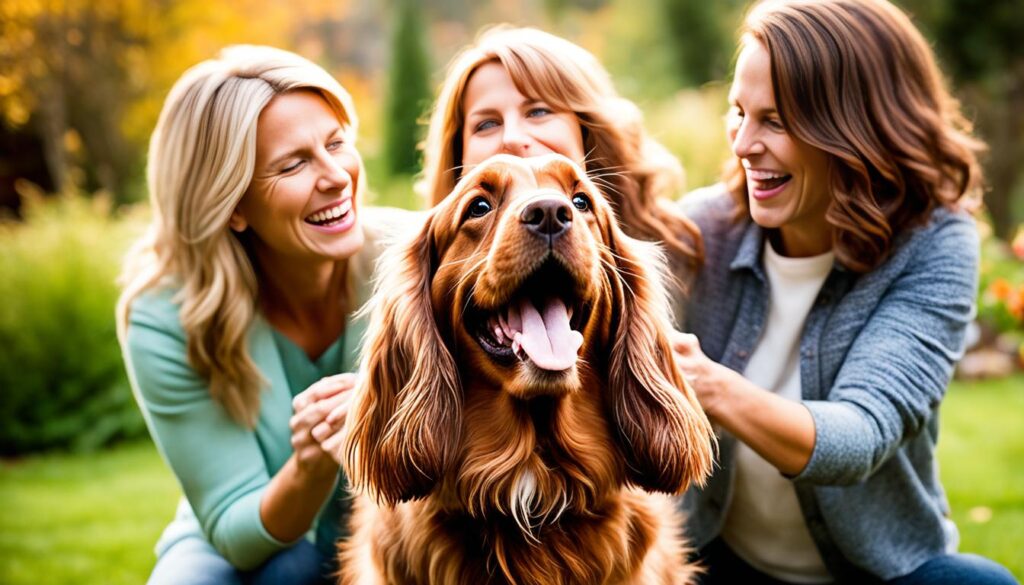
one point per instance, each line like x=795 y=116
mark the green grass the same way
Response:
x=84 y=518
x=981 y=451
x=95 y=518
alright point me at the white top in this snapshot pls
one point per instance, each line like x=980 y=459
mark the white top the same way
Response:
x=764 y=524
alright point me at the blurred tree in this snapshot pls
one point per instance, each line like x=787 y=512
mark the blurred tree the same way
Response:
x=702 y=35
x=409 y=92
x=65 y=76
x=979 y=44
x=88 y=77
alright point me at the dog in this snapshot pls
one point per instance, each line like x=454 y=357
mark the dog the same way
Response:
x=520 y=418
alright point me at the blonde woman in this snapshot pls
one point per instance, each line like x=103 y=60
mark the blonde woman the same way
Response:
x=525 y=92
x=237 y=309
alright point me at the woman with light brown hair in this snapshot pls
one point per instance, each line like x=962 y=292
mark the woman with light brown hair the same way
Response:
x=839 y=281
x=525 y=92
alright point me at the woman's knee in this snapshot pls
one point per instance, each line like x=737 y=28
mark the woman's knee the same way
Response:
x=193 y=561
x=959 y=569
x=301 y=564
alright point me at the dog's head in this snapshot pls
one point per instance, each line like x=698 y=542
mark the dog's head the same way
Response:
x=520 y=290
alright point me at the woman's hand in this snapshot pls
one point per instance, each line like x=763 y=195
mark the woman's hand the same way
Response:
x=320 y=412
x=780 y=430
x=710 y=380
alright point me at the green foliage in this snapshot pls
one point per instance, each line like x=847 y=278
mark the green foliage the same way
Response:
x=390 y=190
x=978 y=44
x=975 y=39
x=632 y=40
x=408 y=90
x=697 y=135
x=1001 y=286
x=703 y=37
x=60 y=370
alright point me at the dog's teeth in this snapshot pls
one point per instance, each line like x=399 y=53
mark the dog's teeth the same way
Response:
x=504 y=326
x=499 y=335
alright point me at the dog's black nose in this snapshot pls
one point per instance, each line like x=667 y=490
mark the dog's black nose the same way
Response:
x=548 y=218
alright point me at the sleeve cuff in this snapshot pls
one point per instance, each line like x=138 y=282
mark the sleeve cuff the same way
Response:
x=241 y=536
x=841 y=444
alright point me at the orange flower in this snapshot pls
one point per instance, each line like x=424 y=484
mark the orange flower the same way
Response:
x=1000 y=289
x=1015 y=304
x=1018 y=243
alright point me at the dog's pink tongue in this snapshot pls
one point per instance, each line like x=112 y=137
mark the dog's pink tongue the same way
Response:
x=547 y=338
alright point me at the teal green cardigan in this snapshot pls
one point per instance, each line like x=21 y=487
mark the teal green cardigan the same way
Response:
x=222 y=466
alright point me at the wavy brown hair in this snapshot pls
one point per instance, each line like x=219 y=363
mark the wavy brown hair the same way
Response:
x=634 y=171
x=857 y=80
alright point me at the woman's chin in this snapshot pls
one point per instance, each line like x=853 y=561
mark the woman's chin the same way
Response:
x=344 y=244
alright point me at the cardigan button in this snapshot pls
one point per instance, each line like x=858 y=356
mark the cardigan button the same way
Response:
x=742 y=353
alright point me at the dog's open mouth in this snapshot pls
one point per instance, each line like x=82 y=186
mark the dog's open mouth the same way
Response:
x=540 y=324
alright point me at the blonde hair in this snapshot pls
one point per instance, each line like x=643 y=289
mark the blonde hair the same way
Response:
x=634 y=171
x=201 y=160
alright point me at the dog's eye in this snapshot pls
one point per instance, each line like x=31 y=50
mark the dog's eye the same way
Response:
x=479 y=207
x=581 y=202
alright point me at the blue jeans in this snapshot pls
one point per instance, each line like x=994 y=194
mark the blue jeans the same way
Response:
x=724 y=567
x=194 y=561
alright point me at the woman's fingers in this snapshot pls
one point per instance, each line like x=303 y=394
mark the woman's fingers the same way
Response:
x=333 y=446
x=323 y=388
x=318 y=411
x=684 y=343
x=335 y=419
x=337 y=415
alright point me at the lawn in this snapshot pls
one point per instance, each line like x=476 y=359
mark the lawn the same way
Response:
x=94 y=518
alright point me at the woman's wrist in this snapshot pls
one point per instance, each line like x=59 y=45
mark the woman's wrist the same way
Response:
x=719 y=391
x=323 y=469
x=294 y=497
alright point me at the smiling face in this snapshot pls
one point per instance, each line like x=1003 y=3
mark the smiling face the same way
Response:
x=523 y=259
x=787 y=179
x=516 y=358
x=501 y=120
x=301 y=204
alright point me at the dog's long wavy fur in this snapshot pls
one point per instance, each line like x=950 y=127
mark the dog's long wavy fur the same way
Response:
x=461 y=484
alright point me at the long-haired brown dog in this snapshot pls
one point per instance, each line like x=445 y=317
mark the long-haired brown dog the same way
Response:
x=519 y=399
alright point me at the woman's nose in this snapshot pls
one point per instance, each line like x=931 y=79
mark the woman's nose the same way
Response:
x=333 y=176
x=516 y=138
x=745 y=141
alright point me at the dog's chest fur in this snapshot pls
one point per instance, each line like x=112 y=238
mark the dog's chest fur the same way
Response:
x=437 y=546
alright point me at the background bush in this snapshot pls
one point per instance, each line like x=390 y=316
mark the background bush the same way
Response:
x=62 y=382
x=1001 y=288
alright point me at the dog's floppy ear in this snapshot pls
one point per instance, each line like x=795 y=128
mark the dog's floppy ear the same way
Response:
x=403 y=427
x=664 y=435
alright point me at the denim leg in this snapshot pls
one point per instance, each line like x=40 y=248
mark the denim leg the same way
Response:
x=724 y=567
x=958 y=569
x=192 y=561
x=300 y=564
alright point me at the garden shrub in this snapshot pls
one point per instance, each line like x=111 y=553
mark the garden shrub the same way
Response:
x=1001 y=287
x=62 y=381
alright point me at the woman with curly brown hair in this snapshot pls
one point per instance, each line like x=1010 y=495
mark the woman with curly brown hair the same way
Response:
x=840 y=275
